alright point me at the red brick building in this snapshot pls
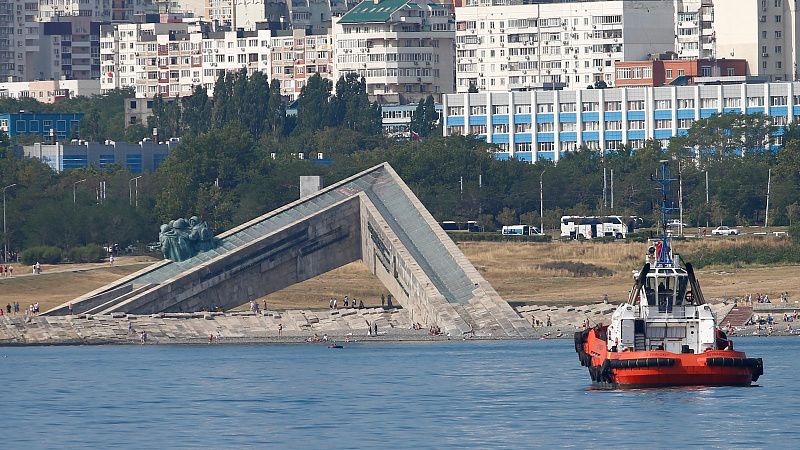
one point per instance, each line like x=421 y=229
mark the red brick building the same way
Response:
x=663 y=72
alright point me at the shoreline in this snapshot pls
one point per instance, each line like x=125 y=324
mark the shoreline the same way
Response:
x=252 y=329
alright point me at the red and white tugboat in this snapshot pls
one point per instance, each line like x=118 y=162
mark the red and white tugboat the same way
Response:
x=665 y=334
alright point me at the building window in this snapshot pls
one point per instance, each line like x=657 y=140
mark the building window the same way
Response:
x=568 y=126
x=544 y=107
x=669 y=73
x=709 y=103
x=663 y=104
x=545 y=127
x=636 y=124
x=546 y=146
x=591 y=126
x=685 y=123
x=567 y=107
x=522 y=128
x=635 y=105
x=523 y=147
x=732 y=102
x=455 y=110
x=613 y=106
x=500 y=128
x=778 y=18
x=777 y=100
x=613 y=125
x=455 y=130
x=705 y=71
x=589 y=106
x=479 y=110
x=685 y=103
x=755 y=101
x=663 y=124
x=477 y=129
x=500 y=109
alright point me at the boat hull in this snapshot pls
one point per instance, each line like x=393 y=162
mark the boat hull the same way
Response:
x=659 y=368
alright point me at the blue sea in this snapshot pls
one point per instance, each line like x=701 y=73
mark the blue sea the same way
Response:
x=500 y=394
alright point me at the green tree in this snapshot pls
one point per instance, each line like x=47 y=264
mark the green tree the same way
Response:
x=507 y=216
x=196 y=109
x=276 y=110
x=313 y=104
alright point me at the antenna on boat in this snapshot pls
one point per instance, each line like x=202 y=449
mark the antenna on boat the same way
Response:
x=663 y=251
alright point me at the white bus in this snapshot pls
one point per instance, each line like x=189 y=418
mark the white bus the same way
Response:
x=520 y=230
x=589 y=227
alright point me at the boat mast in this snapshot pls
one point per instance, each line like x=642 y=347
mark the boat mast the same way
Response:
x=663 y=251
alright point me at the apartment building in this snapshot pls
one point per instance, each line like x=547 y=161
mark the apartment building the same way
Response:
x=296 y=56
x=403 y=48
x=502 y=46
x=98 y=10
x=534 y=125
x=694 y=29
x=764 y=32
x=232 y=51
x=69 y=47
x=19 y=38
x=154 y=58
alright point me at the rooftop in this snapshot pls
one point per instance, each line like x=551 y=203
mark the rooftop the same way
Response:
x=369 y=11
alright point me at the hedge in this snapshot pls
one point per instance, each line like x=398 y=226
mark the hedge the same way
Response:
x=42 y=254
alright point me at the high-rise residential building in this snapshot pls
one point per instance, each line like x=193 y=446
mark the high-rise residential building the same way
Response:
x=246 y=14
x=154 y=58
x=502 y=46
x=97 y=10
x=19 y=38
x=403 y=48
x=69 y=48
x=127 y=10
x=694 y=29
x=49 y=91
x=170 y=59
x=296 y=56
x=764 y=32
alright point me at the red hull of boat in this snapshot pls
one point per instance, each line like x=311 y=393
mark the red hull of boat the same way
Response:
x=659 y=368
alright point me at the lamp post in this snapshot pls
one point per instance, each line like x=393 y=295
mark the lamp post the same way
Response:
x=5 y=233
x=709 y=212
x=130 y=190
x=74 y=187
x=766 y=212
x=541 y=202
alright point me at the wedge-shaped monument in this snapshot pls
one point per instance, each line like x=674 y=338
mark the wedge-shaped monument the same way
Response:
x=372 y=216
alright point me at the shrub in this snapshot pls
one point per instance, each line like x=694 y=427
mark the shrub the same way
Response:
x=41 y=254
x=497 y=237
x=87 y=253
x=578 y=269
x=745 y=254
x=794 y=233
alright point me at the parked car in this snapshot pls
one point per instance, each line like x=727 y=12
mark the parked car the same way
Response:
x=724 y=231
x=154 y=247
x=677 y=224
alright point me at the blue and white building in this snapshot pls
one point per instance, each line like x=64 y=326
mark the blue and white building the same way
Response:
x=64 y=125
x=137 y=157
x=534 y=125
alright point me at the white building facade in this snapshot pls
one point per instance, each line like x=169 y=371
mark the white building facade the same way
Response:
x=502 y=46
x=403 y=48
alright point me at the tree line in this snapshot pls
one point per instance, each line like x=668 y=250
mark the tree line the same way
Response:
x=239 y=159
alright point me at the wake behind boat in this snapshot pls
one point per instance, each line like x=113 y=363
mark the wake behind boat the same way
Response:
x=665 y=334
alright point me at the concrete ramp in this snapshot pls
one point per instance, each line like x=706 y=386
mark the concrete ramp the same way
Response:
x=372 y=216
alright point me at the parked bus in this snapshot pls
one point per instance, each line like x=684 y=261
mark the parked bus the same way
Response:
x=520 y=230
x=469 y=226
x=589 y=227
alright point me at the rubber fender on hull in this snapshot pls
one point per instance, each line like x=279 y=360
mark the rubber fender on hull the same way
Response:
x=757 y=364
x=640 y=363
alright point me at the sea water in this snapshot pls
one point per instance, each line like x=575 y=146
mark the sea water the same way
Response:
x=498 y=394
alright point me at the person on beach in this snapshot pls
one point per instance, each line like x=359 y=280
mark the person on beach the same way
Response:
x=70 y=308
x=111 y=259
x=8 y=308
x=280 y=329
x=383 y=301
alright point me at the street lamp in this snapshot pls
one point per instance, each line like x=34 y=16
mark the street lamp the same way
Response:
x=709 y=212
x=541 y=202
x=5 y=234
x=130 y=190
x=74 y=186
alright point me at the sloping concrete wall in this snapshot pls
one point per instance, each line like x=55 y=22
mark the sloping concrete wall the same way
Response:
x=300 y=251
x=373 y=217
